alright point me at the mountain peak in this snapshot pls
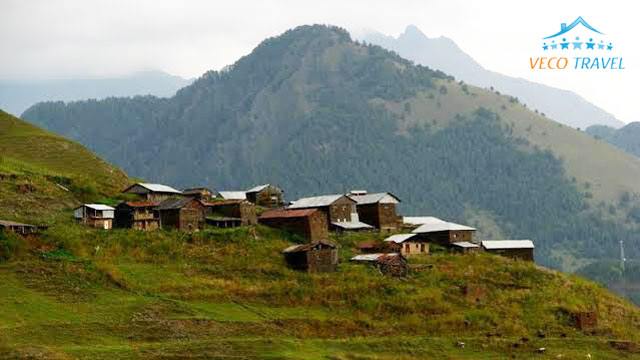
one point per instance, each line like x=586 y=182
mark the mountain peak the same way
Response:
x=412 y=31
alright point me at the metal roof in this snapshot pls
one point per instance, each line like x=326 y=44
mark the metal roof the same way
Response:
x=372 y=257
x=384 y=197
x=233 y=195
x=309 y=246
x=399 y=238
x=13 y=223
x=419 y=220
x=141 y=204
x=435 y=225
x=465 y=244
x=284 y=213
x=315 y=201
x=258 y=188
x=99 y=207
x=352 y=225
x=507 y=244
x=157 y=188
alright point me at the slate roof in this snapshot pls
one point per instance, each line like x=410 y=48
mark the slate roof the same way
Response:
x=315 y=201
x=507 y=244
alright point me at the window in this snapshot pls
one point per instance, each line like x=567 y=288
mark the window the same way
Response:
x=422 y=248
x=407 y=248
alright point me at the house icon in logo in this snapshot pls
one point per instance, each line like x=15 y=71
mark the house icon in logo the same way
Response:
x=569 y=37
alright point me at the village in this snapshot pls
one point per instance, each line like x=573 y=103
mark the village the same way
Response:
x=311 y=219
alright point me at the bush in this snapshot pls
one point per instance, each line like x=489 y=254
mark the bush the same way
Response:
x=10 y=245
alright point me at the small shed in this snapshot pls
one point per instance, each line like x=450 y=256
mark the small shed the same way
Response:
x=182 y=213
x=95 y=215
x=377 y=209
x=152 y=192
x=18 y=228
x=266 y=195
x=318 y=256
x=200 y=193
x=230 y=213
x=392 y=264
x=309 y=223
x=515 y=249
x=408 y=245
x=140 y=215
x=465 y=247
x=443 y=232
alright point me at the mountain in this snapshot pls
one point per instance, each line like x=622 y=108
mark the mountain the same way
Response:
x=626 y=138
x=42 y=173
x=315 y=112
x=18 y=95
x=443 y=54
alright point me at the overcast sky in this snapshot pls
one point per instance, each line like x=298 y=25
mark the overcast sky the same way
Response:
x=85 y=38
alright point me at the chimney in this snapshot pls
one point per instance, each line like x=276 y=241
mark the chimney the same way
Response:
x=563 y=26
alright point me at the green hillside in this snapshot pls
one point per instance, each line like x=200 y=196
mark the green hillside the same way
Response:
x=626 y=138
x=316 y=112
x=42 y=173
x=90 y=294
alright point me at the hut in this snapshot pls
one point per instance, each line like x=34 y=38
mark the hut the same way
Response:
x=408 y=245
x=392 y=264
x=318 y=256
x=377 y=210
x=18 y=228
x=339 y=210
x=230 y=213
x=443 y=232
x=140 y=215
x=266 y=195
x=152 y=192
x=515 y=249
x=309 y=223
x=181 y=213
x=95 y=215
x=200 y=193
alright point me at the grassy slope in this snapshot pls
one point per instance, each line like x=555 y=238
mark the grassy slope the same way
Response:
x=227 y=293
x=34 y=162
x=609 y=171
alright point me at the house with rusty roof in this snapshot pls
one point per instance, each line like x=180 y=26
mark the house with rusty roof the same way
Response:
x=377 y=209
x=181 y=213
x=230 y=213
x=139 y=215
x=18 y=228
x=442 y=232
x=317 y=256
x=339 y=210
x=266 y=195
x=95 y=215
x=152 y=192
x=308 y=223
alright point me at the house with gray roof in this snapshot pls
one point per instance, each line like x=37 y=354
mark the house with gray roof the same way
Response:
x=377 y=209
x=340 y=211
x=152 y=192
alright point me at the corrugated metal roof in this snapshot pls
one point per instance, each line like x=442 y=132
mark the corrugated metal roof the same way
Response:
x=315 y=201
x=399 y=238
x=285 y=213
x=385 y=197
x=435 y=225
x=258 y=188
x=372 y=257
x=465 y=244
x=507 y=244
x=13 y=223
x=99 y=207
x=352 y=225
x=233 y=195
x=159 y=188
x=419 y=220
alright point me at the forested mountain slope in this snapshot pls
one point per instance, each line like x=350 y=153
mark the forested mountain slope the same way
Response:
x=316 y=112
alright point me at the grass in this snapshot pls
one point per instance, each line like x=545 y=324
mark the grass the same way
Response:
x=227 y=293
x=42 y=174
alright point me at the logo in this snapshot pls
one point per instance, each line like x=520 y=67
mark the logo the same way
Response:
x=577 y=46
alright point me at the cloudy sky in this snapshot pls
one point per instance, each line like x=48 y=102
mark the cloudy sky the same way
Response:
x=48 y=39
